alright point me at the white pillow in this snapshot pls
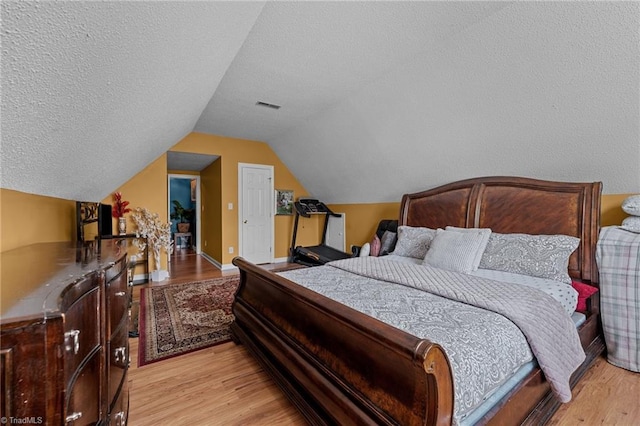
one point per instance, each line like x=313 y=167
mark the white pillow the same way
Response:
x=457 y=249
x=413 y=241
x=486 y=232
x=365 y=250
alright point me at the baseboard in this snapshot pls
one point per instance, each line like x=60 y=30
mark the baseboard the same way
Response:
x=140 y=279
x=232 y=267
x=222 y=267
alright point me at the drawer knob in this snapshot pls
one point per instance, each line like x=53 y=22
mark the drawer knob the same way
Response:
x=121 y=418
x=73 y=336
x=73 y=416
x=120 y=293
x=120 y=354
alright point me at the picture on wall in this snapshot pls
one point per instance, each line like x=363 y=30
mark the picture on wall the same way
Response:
x=284 y=202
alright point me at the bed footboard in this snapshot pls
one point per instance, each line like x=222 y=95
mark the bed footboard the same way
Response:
x=337 y=365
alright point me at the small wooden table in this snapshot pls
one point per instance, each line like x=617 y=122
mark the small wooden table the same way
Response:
x=177 y=237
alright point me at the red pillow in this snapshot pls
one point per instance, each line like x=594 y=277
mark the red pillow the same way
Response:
x=584 y=292
x=375 y=246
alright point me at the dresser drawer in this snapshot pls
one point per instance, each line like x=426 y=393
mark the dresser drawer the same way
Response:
x=117 y=268
x=120 y=412
x=117 y=362
x=118 y=295
x=81 y=329
x=83 y=394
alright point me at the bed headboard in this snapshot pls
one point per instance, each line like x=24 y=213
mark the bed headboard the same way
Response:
x=515 y=205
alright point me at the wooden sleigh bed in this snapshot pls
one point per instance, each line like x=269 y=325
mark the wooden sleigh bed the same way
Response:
x=339 y=366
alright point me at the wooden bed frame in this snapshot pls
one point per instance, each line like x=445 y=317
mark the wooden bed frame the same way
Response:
x=339 y=366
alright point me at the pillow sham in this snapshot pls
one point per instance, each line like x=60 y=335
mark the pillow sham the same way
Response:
x=387 y=242
x=631 y=223
x=413 y=241
x=544 y=256
x=457 y=251
x=631 y=205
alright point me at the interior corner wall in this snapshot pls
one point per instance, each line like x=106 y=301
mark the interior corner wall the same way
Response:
x=233 y=151
x=211 y=205
x=611 y=212
x=362 y=220
x=29 y=219
x=146 y=189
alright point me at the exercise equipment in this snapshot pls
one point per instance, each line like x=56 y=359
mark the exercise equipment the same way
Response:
x=313 y=255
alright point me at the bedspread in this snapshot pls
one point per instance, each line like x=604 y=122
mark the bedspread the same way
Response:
x=550 y=332
x=484 y=348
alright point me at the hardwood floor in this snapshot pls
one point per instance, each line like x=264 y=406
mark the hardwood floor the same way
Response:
x=224 y=385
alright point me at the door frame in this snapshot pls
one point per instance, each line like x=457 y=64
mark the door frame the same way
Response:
x=271 y=207
x=198 y=208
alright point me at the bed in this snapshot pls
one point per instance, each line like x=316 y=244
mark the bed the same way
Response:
x=341 y=366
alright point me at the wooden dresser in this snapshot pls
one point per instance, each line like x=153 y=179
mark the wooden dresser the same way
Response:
x=64 y=351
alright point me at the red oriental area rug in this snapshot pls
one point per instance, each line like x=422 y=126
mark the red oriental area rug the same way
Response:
x=181 y=318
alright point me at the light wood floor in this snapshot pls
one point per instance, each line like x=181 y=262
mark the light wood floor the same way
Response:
x=223 y=385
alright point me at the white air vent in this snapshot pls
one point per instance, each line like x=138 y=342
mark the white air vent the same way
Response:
x=267 y=105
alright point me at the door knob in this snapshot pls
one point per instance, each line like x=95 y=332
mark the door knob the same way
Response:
x=244 y=221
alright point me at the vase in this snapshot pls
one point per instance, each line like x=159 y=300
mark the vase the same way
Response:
x=122 y=225
x=159 y=275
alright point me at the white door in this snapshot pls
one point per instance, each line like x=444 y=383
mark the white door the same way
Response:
x=256 y=212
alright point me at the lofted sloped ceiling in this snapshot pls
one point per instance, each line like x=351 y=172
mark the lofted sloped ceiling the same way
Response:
x=377 y=98
x=92 y=92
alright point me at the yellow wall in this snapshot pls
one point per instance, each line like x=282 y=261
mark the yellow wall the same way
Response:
x=362 y=219
x=28 y=219
x=210 y=190
x=147 y=189
x=611 y=213
x=232 y=152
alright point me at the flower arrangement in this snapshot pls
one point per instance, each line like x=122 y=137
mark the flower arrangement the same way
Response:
x=119 y=207
x=156 y=232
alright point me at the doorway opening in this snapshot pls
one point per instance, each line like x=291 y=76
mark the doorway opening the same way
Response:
x=183 y=211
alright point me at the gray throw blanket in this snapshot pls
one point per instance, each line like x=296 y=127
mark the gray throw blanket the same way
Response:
x=550 y=332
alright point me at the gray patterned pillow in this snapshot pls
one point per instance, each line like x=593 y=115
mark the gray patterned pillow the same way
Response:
x=413 y=241
x=631 y=223
x=631 y=205
x=544 y=256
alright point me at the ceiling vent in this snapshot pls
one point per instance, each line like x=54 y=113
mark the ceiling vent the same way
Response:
x=267 y=105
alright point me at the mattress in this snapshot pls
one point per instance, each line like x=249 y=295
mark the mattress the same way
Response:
x=483 y=370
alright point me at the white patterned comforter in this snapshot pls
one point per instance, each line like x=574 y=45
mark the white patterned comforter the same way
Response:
x=484 y=348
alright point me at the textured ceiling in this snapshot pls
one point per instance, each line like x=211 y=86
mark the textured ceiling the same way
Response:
x=92 y=92
x=378 y=98
x=309 y=56
x=187 y=161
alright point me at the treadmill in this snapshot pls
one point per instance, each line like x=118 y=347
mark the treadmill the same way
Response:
x=313 y=255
